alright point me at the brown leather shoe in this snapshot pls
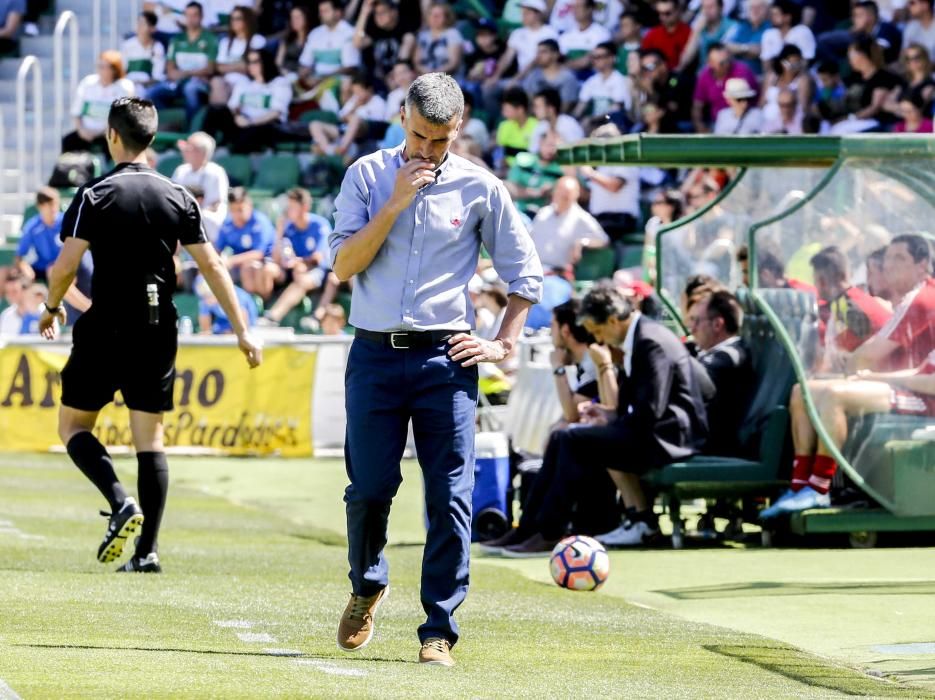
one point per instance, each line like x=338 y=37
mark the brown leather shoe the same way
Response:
x=535 y=546
x=356 y=627
x=513 y=536
x=436 y=651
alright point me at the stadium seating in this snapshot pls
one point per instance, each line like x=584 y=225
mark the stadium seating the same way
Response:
x=595 y=264
x=275 y=174
x=239 y=170
x=764 y=434
x=168 y=163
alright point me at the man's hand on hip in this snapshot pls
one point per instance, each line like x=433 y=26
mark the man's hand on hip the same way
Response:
x=473 y=350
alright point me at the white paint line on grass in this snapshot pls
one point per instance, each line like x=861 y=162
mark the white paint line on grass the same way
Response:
x=7 y=693
x=256 y=637
x=284 y=652
x=911 y=649
x=7 y=528
x=236 y=624
x=331 y=669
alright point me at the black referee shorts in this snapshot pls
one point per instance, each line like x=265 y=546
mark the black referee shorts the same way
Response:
x=139 y=361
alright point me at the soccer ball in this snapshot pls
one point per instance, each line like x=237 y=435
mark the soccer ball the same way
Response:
x=579 y=563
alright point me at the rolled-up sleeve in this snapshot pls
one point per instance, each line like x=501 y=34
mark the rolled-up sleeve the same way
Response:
x=350 y=214
x=510 y=246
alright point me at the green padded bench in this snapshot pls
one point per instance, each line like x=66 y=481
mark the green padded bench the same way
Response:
x=764 y=434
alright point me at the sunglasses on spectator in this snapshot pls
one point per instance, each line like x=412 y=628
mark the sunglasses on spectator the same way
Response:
x=600 y=56
x=910 y=57
x=648 y=67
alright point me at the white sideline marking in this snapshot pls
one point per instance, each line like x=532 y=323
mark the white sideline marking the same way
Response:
x=284 y=652
x=331 y=669
x=256 y=637
x=7 y=693
x=238 y=624
x=8 y=528
x=914 y=648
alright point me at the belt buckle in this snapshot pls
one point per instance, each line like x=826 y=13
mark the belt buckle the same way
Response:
x=393 y=341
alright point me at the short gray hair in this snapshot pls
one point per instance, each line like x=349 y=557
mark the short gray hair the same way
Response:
x=437 y=96
x=205 y=142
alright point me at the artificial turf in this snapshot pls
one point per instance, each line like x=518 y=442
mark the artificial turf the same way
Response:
x=255 y=568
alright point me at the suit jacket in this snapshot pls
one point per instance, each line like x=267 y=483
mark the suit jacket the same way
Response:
x=660 y=403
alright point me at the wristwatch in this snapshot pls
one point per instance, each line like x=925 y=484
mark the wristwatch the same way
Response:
x=559 y=371
x=52 y=309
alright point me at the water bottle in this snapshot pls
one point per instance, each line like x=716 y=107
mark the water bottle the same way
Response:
x=186 y=327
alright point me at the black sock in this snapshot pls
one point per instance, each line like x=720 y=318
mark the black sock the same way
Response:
x=647 y=516
x=91 y=457
x=153 y=487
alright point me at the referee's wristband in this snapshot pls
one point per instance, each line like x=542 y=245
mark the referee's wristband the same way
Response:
x=53 y=309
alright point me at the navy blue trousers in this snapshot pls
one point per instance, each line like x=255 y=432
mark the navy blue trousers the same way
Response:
x=384 y=390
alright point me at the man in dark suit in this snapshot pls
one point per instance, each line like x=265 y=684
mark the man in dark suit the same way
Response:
x=660 y=418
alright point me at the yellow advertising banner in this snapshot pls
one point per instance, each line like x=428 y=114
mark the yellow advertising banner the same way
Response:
x=220 y=404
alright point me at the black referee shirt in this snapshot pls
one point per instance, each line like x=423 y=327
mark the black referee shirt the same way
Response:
x=133 y=218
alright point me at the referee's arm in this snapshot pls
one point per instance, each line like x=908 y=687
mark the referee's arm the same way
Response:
x=61 y=276
x=215 y=272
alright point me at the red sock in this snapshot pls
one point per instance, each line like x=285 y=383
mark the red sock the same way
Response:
x=822 y=473
x=801 y=470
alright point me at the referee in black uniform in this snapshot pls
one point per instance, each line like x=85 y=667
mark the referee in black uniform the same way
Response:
x=133 y=220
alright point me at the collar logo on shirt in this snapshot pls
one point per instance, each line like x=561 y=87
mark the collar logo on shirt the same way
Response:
x=456 y=221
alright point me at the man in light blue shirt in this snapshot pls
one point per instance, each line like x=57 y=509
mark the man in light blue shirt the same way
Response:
x=409 y=223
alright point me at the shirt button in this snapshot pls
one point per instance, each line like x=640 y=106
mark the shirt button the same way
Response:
x=415 y=252
x=411 y=281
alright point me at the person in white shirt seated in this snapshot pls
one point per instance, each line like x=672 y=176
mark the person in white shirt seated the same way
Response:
x=144 y=58
x=362 y=117
x=563 y=228
x=608 y=90
x=198 y=169
x=741 y=116
x=91 y=103
x=249 y=119
x=547 y=107
x=329 y=53
x=232 y=54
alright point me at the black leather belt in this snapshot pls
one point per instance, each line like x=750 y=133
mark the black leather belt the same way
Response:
x=407 y=340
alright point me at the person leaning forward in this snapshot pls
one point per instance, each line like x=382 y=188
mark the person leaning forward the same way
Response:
x=409 y=223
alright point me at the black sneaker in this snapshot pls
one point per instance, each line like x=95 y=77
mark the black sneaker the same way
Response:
x=121 y=526
x=142 y=565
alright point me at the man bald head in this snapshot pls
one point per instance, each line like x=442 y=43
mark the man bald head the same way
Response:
x=566 y=193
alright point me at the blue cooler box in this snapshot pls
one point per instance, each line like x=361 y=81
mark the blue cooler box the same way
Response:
x=491 y=480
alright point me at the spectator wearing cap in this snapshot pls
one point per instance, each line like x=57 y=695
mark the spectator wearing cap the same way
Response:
x=550 y=72
x=144 y=58
x=562 y=229
x=521 y=47
x=865 y=21
x=671 y=35
x=741 y=116
x=788 y=73
x=199 y=169
x=745 y=39
x=711 y=26
x=577 y=43
x=439 y=47
x=546 y=107
x=920 y=29
x=382 y=38
x=607 y=90
x=786 y=18
x=709 y=98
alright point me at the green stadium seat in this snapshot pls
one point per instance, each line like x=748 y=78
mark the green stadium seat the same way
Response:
x=7 y=254
x=764 y=434
x=319 y=115
x=239 y=170
x=277 y=173
x=595 y=264
x=168 y=163
x=172 y=119
x=187 y=305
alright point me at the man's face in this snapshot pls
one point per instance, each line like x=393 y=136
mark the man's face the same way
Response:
x=539 y=108
x=545 y=57
x=486 y=40
x=602 y=60
x=651 y=69
x=558 y=342
x=194 y=156
x=531 y=18
x=629 y=29
x=425 y=140
x=48 y=211
x=509 y=111
x=667 y=12
x=757 y=11
x=862 y=20
x=386 y=17
x=719 y=62
x=610 y=333
x=700 y=326
x=240 y=212
x=876 y=280
x=902 y=273
x=583 y=12
x=548 y=148
x=193 y=18
x=295 y=211
x=777 y=17
x=13 y=292
x=328 y=14
x=825 y=285
x=711 y=10
x=918 y=8
x=142 y=28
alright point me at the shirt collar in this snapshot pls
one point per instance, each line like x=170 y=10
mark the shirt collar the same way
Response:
x=631 y=334
x=727 y=342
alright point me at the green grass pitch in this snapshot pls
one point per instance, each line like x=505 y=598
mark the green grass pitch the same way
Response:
x=255 y=579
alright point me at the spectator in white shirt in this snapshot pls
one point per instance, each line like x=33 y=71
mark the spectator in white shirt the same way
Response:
x=607 y=90
x=232 y=54
x=741 y=116
x=561 y=229
x=91 y=103
x=364 y=107
x=523 y=44
x=921 y=28
x=578 y=42
x=144 y=58
x=546 y=107
x=329 y=52
x=789 y=118
x=198 y=169
x=785 y=16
